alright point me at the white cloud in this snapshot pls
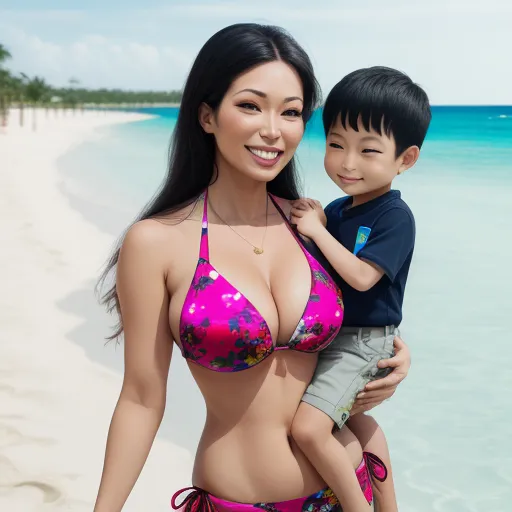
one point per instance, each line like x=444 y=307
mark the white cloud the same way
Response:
x=42 y=15
x=388 y=10
x=459 y=51
x=96 y=61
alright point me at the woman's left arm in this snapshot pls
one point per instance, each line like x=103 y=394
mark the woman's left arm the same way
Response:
x=379 y=390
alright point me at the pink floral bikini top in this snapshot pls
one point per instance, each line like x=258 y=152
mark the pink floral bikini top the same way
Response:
x=221 y=330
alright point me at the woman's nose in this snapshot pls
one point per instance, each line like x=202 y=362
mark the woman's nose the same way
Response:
x=270 y=128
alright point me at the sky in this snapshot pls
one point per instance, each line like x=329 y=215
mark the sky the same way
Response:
x=457 y=50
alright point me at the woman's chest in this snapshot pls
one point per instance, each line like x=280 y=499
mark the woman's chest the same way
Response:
x=234 y=283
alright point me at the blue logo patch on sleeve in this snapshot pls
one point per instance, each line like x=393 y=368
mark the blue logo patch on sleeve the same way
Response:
x=362 y=237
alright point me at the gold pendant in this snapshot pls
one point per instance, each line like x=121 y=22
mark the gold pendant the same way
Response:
x=257 y=250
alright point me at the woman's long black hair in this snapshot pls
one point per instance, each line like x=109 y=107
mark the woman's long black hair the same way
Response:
x=226 y=55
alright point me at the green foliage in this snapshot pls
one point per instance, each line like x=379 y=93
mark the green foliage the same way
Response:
x=36 y=90
x=4 y=54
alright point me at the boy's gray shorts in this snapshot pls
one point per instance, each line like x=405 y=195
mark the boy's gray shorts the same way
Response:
x=346 y=366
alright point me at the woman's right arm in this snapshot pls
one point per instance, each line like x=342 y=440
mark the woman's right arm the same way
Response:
x=144 y=302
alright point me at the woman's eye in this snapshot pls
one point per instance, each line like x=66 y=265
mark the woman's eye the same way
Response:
x=249 y=106
x=293 y=112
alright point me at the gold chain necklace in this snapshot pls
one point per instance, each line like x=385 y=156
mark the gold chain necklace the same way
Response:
x=257 y=250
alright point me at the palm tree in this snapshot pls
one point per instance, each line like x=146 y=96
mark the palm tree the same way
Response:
x=4 y=95
x=74 y=81
x=36 y=90
x=71 y=96
x=4 y=54
x=4 y=79
x=21 y=86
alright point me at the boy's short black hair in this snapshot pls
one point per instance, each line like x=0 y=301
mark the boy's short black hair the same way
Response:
x=383 y=98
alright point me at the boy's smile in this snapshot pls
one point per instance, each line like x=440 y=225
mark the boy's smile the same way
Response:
x=363 y=163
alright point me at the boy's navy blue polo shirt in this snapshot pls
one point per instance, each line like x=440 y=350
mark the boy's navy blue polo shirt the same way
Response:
x=389 y=245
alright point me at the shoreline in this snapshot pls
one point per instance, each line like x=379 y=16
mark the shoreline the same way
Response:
x=56 y=402
x=132 y=105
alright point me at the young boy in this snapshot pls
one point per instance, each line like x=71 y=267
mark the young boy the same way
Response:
x=375 y=121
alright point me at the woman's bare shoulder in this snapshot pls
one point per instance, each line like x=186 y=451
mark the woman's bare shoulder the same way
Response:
x=284 y=204
x=165 y=231
x=189 y=213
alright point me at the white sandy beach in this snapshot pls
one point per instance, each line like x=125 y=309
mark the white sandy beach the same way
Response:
x=56 y=404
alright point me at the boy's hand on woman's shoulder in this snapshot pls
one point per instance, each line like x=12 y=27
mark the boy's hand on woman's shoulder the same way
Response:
x=308 y=215
x=305 y=203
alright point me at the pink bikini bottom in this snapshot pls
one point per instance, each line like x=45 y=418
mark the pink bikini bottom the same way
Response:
x=322 y=501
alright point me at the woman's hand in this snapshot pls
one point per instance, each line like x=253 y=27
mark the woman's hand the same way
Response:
x=379 y=390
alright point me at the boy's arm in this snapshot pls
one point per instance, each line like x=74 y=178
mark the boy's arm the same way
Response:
x=389 y=244
x=359 y=274
x=309 y=217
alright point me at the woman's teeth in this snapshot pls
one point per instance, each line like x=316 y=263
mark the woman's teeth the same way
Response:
x=267 y=155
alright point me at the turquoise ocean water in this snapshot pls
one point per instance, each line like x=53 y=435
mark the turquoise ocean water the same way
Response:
x=449 y=424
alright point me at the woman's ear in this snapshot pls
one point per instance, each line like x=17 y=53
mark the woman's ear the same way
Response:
x=206 y=118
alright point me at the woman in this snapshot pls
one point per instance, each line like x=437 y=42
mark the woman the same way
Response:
x=214 y=267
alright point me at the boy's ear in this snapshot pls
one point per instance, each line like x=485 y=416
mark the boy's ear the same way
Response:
x=408 y=158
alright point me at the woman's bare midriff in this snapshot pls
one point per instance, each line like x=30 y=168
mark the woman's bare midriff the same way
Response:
x=246 y=453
